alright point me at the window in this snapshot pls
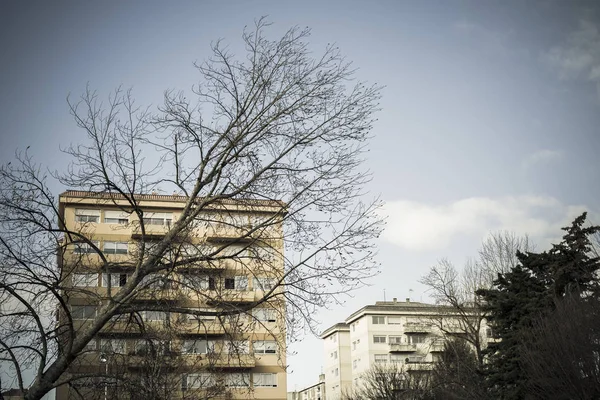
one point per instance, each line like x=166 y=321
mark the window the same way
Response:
x=116 y=280
x=262 y=283
x=152 y=347
x=197 y=347
x=354 y=364
x=85 y=248
x=395 y=339
x=394 y=320
x=115 y=247
x=378 y=320
x=337 y=372
x=116 y=346
x=238 y=347
x=264 y=314
x=265 y=347
x=154 y=315
x=397 y=358
x=116 y=217
x=83 y=312
x=237 y=379
x=85 y=280
x=416 y=339
x=82 y=215
x=378 y=339
x=354 y=345
x=158 y=218
x=156 y=281
x=334 y=355
x=198 y=381
x=264 y=380
x=198 y=282
x=381 y=358
x=238 y=283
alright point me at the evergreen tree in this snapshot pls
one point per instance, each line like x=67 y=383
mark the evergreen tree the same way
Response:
x=529 y=291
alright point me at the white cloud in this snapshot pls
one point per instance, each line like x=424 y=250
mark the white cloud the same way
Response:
x=541 y=157
x=419 y=226
x=579 y=55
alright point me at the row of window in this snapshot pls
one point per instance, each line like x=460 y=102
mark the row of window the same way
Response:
x=236 y=379
x=120 y=217
x=189 y=281
x=86 y=312
x=185 y=251
x=397 y=339
x=396 y=358
x=166 y=218
x=153 y=346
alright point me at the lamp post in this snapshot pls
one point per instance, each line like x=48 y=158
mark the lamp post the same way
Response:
x=104 y=360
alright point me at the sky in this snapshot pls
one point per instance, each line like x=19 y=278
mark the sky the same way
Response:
x=489 y=118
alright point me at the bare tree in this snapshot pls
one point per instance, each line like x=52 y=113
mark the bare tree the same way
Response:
x=391 y=382
x=464 y=318
x=277 y=126
x=561 y=354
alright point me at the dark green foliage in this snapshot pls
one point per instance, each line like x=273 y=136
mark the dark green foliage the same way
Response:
x=530 y=291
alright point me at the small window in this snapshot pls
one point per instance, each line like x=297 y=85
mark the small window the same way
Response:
x=116 y=217
x=197 y=347
x=229 y=283
x=264 y=314
x=378 y=339
x=265 y=347
x=381 y=358
x=417 y=339
x=158 y=218
x=335 y=355
x=237 y=379
x=238 y=347
x=198 y=381
x=395 y=339
x=396 y=358
x=115 y=247
x=85 y=280
x=264 y=380
x=116 y=280
x=378 y=319
x=83 y=312
x=262 y=283
x=354 y=364
x=82 y=215
x=85 y=248
x=116 y=346
x=394 y=321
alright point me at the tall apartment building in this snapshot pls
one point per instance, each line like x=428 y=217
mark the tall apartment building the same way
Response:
x=387 y=332
x=228 y=350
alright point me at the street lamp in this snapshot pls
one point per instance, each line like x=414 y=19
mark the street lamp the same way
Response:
x=104 y=360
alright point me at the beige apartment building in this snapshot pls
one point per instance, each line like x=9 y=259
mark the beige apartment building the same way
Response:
x=404 y=333
x=231 y=348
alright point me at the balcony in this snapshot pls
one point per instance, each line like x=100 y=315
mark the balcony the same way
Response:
x=225 y=233
x=153 y=232
x=232 y=296
x=202 y=327
x=402 y=348
x=419 y=366
x=219 y=360
x=417 y=328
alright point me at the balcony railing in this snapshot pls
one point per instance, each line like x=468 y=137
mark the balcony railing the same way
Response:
x=417 y=328
x=402 y=348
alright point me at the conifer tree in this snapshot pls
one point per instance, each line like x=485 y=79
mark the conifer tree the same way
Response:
x=529 y=291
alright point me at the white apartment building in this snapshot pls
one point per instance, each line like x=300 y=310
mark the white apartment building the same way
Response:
x=388 y=332
x=312 y=392
x=337 y=363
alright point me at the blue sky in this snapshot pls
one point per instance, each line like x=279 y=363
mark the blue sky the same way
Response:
x=490 y=114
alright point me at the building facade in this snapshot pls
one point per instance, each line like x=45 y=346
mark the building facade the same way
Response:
x=406 y=334
x=312 y=392
x=192 y=330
